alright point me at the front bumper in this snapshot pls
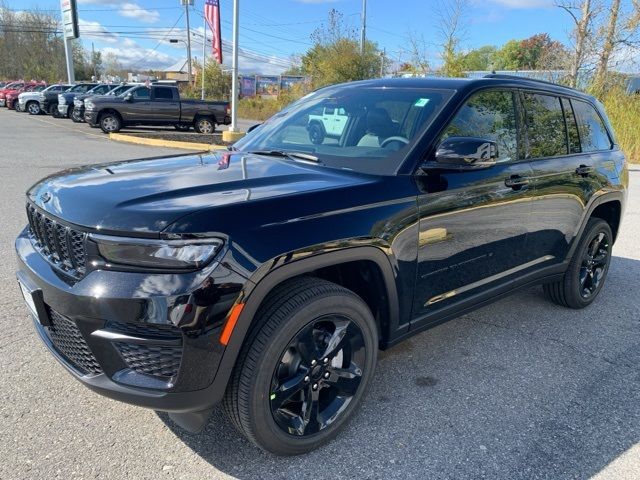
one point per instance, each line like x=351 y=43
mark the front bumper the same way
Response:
x=145 y=339
x=63 y=109
x=91 y=117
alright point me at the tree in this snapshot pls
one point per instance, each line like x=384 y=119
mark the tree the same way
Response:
x=451 y=25
x=482 y=58
x=419 y=54
x=538 y=52
x=582 y=34
x=335 y=56
x=112 y=67
x=217 y=84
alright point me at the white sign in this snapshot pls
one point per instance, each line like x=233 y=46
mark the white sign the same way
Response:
x=69 y=18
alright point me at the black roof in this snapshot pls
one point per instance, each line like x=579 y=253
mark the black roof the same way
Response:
x=471 y=83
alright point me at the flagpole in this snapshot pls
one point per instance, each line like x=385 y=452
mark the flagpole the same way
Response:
x=204 y=54
x=234 y=68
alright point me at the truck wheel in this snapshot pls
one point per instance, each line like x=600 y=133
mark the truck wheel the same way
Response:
x=76 y=117
x=304 y=368
x=204 y=125
x=587 y=270
x=110 y=123
x=316 y=134
x=70 y=111
x=53 y=111
x=33 y=108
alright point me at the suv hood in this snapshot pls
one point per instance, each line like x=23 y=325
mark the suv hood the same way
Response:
x=143 y=197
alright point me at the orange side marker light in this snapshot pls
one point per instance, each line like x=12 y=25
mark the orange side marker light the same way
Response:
x=231 y=323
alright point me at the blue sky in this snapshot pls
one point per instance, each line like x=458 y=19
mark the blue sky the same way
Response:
x=274 y=30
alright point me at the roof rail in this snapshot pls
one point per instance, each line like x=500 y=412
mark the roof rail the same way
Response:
x=518 y=77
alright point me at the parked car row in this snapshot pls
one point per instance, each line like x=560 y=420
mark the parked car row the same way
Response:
x=112 y=107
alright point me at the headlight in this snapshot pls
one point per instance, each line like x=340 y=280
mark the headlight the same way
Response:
x=61 y=100
x=161 y=254
x=88 y=105
x=77 y=103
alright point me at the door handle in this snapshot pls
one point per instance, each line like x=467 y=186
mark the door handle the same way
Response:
x=516 y=182
x=584 y=170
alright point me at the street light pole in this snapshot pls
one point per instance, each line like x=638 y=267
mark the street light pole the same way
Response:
x=186 y=9
x=234 y=68
x=363 y=27
x=204 y=56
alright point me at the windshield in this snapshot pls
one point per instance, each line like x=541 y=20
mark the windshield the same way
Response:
x=121 y=90
x=365 y=129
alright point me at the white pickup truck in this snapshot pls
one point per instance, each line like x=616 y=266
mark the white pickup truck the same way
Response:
x=330 y=123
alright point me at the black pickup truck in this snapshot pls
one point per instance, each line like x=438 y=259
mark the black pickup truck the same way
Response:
x=155 y=105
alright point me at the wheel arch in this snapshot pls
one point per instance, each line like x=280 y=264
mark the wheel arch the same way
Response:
x=609 y=207
x=329 y=266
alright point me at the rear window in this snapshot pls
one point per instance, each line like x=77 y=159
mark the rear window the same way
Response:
x=593 y=133
x=546 y=133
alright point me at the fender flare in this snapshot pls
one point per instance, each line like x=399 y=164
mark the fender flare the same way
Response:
x=608 y=197
x=257 y=290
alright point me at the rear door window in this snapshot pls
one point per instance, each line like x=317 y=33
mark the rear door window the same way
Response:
x=593 y=133
x=545 y=127
x=142 y=93
x=163 y=93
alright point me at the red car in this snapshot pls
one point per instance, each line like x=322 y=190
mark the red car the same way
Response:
x=11 y=96
x=8 y=88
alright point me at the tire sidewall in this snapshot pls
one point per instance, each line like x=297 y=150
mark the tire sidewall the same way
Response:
x=115 y=117
x=263 y=425
x=29 y=111
x=204 y=119
x=572 y=278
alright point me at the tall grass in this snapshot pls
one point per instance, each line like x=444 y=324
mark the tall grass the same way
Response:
x=623 y=111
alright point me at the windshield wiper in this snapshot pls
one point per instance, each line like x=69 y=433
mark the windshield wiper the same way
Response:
x=287 y=154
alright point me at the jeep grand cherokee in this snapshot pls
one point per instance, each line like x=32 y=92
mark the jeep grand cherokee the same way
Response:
x=267 y=277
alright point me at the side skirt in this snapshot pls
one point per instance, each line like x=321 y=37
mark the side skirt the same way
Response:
x=487 y=296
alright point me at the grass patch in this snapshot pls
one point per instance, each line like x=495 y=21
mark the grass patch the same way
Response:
x=623 y=111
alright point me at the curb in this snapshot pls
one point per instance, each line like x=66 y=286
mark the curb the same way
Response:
x=156 y=142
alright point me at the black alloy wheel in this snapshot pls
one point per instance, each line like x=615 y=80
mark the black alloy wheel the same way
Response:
x=316 y=134
x=304 y=368
x=594 y=264
x=587 y=270
x=318 y=375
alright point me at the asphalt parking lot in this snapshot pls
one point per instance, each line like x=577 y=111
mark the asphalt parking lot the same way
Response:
x=519 y=389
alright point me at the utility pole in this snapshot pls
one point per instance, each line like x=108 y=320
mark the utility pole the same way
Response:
x=186 y=4
x=363 y=27
x=383 y=54
x=93 y=61
x=234 y=67
x=204 y=56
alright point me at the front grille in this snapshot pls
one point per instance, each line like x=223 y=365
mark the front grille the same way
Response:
x=61 y=245
x=156 y=360
x=69 y=342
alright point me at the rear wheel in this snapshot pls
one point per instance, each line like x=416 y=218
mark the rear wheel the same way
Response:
x=204 y=125
x=110 y=123
x=33 y=108
x=587 y=270
x=305 y=367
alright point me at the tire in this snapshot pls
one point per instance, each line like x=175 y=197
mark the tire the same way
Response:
x=316 y=134
x=298 y=309
x=204 y=125
x=182 y=127
x=70 y=110
x=110 y=123
x=53 y=111
x=587 y=269
x=76 y=117
x=33 y=108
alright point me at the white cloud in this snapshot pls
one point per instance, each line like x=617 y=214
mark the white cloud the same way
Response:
x=139 y=58
x=133 y=10
x=524 y=3
x=96 y=31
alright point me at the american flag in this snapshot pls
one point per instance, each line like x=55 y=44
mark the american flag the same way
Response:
x=212 y=14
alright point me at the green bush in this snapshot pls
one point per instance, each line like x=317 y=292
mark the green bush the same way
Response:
x=623 y=111
x=258 y=108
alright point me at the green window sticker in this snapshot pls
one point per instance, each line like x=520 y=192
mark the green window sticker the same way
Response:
x=421 y=102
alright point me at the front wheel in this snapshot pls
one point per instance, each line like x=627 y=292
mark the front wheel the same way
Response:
x=33 y=108
x=110 y=123
x=587 y=270
x=305 y=367
x=76 y=116
x=204 y=125
x=53 y=111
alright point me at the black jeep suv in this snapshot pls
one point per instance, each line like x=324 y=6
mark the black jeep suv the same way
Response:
x=267 y=277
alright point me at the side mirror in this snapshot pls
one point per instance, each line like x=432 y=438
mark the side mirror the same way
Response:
x=464 y=154
x=253 y=127
x=128 y=97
